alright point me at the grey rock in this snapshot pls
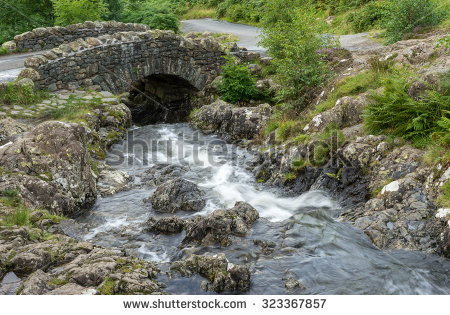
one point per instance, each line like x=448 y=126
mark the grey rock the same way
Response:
x=176 y=195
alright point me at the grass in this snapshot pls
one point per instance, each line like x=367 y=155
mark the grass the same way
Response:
x=74 y=109
x=288 y=129
x=20 y=214
x=299 y=163
x=4 y=51
x=290 y=176
x=21 y=95
x=444 y=199
x=350 y=86
x=108 y=286
x=197 y=12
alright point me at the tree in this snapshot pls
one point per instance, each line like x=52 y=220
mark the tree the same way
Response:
x=115 y=8
x=294 y=37
x=78 y=11
x=19 y=16
x=408 y=14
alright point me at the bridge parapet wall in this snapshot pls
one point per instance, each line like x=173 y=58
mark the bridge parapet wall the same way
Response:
x=51 y=37
x=113 y=62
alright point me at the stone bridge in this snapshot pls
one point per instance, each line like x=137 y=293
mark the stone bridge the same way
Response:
x=162 y=67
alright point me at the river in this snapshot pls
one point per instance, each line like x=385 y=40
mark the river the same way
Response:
x=307 y=241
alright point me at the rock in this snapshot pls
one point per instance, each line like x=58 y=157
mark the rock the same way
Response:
x=346 y=112
x=25 y=83
x=291 y=284
x=10 y=127
x=36 y=284
x=330 y=19
x=231 y=122
x=58 y=151
x=267 y=61
x=166 y=225
x=162 y=173
x=222 y=275
x=112 y=181
x=254 y=68
x=73 y=289
x=11 y=46
x=177 y=194
x=27 y=262
x=29 y=73
x=221 y=225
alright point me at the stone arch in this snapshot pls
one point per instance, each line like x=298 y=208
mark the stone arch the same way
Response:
x=113 y=62
x=118 y=62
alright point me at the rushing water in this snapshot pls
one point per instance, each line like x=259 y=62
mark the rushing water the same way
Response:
x=308 y=242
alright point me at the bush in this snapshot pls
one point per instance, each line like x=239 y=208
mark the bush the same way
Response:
x=237 y=83
x=409 y=14
x=396 y=113
x=78 y=11
x=372 y=15
x=157 y=15
x=293 y=37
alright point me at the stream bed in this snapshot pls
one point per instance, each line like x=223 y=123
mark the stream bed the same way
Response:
x=302 y=236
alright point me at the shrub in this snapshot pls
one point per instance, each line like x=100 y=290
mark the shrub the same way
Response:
x=157 y=15
x=396 y=113
x=372 y=15
x=237 y=83
x=78 y=11
x=409 y=14
x=293 y=38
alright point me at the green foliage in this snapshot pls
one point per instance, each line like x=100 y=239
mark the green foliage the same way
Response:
x=289 y=129
x=250 y=11
x=19 y=16
x=299 y=163
x=444 y=198
x=156 y=14
x=293 y=37
x=78 y=11
x=409 y=14
x=372 y=15
x=19 y=215
x=108 y=286
x=115 y=8
x=23 y=95
x=237 y=83
x=349 y=86
x=321 y=154
x=74 y=109
x=396 y=113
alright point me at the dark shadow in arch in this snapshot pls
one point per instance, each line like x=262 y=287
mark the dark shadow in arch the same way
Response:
x=161 y=98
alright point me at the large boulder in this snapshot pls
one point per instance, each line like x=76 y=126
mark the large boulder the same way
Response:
x=50 y=167
x=348 y=111
x=221 y=225
x=177 y=194
x=233 y=123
